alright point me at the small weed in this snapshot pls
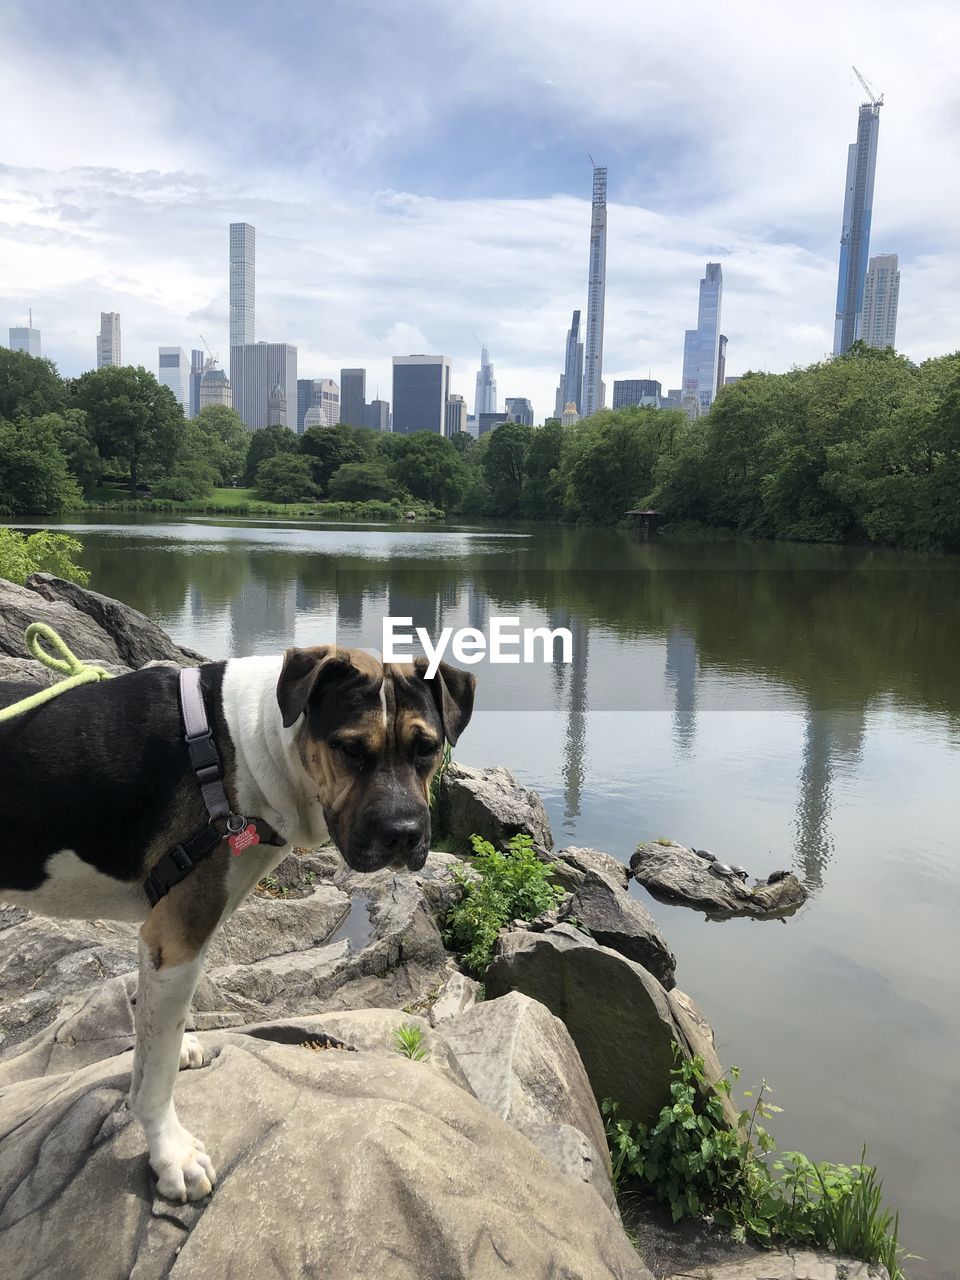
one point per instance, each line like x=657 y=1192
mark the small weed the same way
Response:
x=511 y=885
x=408 y=1041
x=272 y=888
x=692 y=1160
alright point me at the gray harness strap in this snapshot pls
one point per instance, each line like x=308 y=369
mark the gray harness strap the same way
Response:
x=205 y=761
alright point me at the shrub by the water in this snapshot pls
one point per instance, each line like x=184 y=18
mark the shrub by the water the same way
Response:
x=43 y=552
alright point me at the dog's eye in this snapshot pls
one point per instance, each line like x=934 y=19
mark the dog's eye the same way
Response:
x=426 y=751
x=353 y=751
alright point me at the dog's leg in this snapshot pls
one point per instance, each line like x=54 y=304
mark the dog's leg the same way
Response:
x=191 y=1052
x=168 y=975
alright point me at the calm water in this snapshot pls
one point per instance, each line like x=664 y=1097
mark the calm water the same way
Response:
x=782 y=706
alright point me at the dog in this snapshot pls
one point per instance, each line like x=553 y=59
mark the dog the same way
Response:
x=101 y=799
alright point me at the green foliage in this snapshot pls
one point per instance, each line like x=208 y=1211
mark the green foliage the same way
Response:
x=507 y=886
x=267 y=443
x=446 y=756
x=225 y=442
x=430 y=468
x=609 y=460
x=408 y=1040
x=285 y=478
x=72 y=434
x=693 y=1161
x=504 y=464
x=42 y=552
x=361 y=481
x=33 y=472
x=132 y=418
x=330 y=448
x=29 y=386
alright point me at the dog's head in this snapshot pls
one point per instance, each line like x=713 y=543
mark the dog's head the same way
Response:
x=371 y=740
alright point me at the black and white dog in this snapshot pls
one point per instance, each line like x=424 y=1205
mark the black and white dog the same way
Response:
x=97 y=787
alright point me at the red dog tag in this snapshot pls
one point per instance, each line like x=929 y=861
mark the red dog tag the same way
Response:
x=240 y=840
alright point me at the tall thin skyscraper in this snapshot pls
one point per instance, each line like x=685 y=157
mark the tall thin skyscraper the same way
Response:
x=572 y=383
x=855 y=235
x=596 y=293
x=263 y=379
x=197 y=365
x=880 y=297
x=721 y=361
x=486 y=398
x=242 y=284
x=353 y=396
x=701 y=346
x=108 y=339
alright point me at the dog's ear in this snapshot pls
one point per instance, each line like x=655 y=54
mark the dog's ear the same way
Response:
x=302 y=669
x=453 y=692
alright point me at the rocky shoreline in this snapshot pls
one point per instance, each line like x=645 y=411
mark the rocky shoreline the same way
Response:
x=486 y=1157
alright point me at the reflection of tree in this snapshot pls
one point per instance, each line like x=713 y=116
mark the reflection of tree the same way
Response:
x=832 y=737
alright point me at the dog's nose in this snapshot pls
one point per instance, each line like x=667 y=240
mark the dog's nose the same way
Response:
x=401 y=836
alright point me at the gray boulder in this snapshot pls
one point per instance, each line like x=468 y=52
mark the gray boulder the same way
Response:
x=617 y=1013
x=604 y=864
x=20 y=606
x=334 y=1164
x=492 y=804
x=676 y=873
x=620 y=922
x=522 y=1064
x=801 y=1264
x=137 y=639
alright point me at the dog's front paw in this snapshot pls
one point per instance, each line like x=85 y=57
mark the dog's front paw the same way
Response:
x=191 y=1054
x=183 y=1168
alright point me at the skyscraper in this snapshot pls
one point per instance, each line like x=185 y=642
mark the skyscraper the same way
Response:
x=881 y=294
x=257 y=370
x=27 y=339
x=643 y=392
x=596 y=293
x=571 y=384
x=214 y=387
x=721 y=360
x=108 y=339
x=376 y=415
x=456 y=415
x=174 y=372
x=855 y=235
x=701 y=346
x=519 y=409
x=353 y=395
x=197 y=366
x=242 y=284
x=486 y=398
x=421 y=388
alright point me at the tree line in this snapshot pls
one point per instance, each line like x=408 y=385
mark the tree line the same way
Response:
x=863 y=447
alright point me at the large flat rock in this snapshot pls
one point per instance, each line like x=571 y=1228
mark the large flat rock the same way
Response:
x=678 y=874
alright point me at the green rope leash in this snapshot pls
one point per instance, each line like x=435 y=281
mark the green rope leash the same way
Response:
x=68 y=665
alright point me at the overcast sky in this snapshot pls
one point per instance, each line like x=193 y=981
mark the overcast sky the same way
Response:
x=417 y=172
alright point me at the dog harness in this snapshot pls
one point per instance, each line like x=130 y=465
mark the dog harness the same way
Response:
x=205 y=759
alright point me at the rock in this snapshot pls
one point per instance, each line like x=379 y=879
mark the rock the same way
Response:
x=604 y=864
x=676 y=873
x=456 y=996
x=137 y=639
x=334 y=1164
x=28 y=669
x=696 y=1039
x=20 y=606
x=492 y=804
x=802 y=1264
x=622 y=923
x=523 y=1065
x=617 y=1013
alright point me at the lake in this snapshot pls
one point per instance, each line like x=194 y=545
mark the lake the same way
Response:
x=783 y=706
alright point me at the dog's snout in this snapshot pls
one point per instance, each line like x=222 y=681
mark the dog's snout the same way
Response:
x=401 y=836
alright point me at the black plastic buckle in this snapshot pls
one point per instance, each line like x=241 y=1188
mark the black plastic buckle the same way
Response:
x=181 y=859
x=204 y=757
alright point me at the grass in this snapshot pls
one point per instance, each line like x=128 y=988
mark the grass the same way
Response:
x=243 y=502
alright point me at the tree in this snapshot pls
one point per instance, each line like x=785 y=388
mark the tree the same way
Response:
x=72 y=434
x=227 y=441
x=43 y=552
x=265 y=443
x=430 y=468
x=504 y=462
x=542 y=497
x=29 y=386
x=361 y=481
x=285 y=478
x=329 y=448
x=131 y=417
x=463 y=442
x=33 y=472
x=608 y=463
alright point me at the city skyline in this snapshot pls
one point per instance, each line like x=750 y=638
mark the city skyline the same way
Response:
x=857 y=222
x=355 y=252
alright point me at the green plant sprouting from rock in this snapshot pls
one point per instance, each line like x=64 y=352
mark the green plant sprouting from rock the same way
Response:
x=498 y=887
x=692 y=1160
x=408 y=1041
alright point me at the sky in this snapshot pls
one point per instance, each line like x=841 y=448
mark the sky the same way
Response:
x=419 y=178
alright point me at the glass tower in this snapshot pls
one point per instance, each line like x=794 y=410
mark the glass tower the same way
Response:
x=855 y=235
x=486 y=397
x=573 y=367
x=701 y=347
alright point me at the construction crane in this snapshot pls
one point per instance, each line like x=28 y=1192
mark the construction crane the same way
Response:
x=874 y=100
x=215 y=359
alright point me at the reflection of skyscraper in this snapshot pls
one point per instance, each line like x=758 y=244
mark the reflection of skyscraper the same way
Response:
x=263 y=615
x=832 y=738
x=423 y=608
x=575 y=744
x=681 y=674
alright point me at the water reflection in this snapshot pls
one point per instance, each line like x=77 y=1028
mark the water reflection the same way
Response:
x=832 y=738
